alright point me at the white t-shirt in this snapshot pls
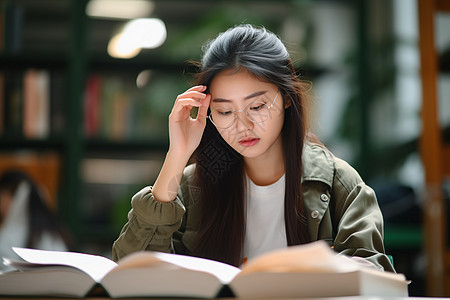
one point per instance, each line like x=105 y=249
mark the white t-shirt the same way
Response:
x=265 y=225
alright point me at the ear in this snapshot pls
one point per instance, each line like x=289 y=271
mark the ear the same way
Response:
x=288 y=102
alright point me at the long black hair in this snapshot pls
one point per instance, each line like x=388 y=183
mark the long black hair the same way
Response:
x=220 y=171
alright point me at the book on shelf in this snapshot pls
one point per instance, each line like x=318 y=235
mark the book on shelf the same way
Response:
x=116 y=110
x=311 y=270
x=12 y=103
x=29 y=106
x=36 y=103
x=107 y=107
x=92 y=105
x=58 y=94
x=11 y=23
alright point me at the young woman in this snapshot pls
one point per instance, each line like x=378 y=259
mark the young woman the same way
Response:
x=259 y=181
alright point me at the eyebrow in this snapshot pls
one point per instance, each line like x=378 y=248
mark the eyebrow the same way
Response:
x=251 y=96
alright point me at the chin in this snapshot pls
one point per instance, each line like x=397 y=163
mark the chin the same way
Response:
x=248 y=152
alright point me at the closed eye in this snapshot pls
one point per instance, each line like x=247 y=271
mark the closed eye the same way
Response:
x=257 y=106
x=224 y=111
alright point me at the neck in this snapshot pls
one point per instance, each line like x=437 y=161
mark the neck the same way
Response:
x=265 y=171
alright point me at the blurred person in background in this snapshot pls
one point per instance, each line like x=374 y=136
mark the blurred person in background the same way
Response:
x=25 y=218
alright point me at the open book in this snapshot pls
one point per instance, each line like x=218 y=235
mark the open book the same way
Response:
x=311 y=270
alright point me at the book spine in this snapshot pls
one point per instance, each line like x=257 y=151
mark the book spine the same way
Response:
x=114 y=109
x=57 y=96
x=36 y=104
x=12 y=108
x=92 y=106
x=30 y=103
x=12 y=28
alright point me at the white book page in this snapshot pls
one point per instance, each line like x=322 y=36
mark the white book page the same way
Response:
x=95 y=266
x=224 y=272
x=169 y=261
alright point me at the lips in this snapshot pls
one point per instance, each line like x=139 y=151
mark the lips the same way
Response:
x=248 y=142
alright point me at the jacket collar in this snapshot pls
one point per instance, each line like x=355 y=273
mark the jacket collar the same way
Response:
x=318 y=164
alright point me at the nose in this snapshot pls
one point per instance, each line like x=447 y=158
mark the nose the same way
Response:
x=243 y=122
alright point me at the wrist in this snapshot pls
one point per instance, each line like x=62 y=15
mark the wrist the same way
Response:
x=166 y=185
x=178 y=157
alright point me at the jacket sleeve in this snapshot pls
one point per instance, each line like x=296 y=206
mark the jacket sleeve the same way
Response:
x=150 y=225
x=359 y=221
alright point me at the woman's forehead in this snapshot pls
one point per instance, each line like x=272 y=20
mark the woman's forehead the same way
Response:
x=241 y=85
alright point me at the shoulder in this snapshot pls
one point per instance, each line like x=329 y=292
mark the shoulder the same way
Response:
x=319 y=164
x=346 y=175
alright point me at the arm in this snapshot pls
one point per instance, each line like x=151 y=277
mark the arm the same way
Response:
x=157 y=211
x=150 y=225
x=358 y=219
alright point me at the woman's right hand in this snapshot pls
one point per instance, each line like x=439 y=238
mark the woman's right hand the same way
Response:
x=185 y=132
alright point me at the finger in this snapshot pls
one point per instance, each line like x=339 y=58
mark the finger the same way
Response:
x=198 y=88
x=189 y=101
x=193 y=94
x=203 y=109
x=185 y=104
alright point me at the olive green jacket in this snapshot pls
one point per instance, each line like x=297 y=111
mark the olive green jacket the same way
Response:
x=340 y=208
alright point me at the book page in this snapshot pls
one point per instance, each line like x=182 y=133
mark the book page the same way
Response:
x=312 y=257
x=95 y=266
x=225 y=273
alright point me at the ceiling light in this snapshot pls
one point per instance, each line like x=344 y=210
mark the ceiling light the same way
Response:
x=137 y=34
x=147 y=33
x=119 y=48
x=119 y=9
